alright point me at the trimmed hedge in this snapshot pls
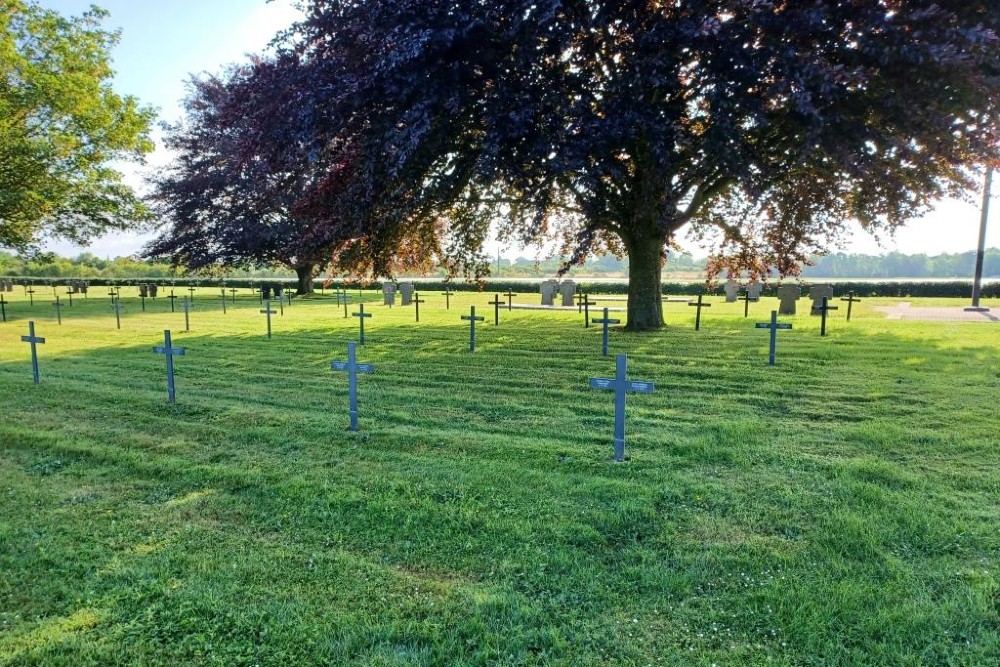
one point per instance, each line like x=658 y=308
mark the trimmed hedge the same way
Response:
x=909 y=289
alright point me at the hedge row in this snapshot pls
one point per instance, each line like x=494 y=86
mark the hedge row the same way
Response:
x=954 y=289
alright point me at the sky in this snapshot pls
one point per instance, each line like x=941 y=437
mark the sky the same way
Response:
x=164 y=42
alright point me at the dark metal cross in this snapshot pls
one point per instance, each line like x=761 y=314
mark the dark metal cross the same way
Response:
x=773 y=325
x=169 y=352
x=447 y=298
x=58 y=305
x=620 y=384
x=192 y=291
x=823 y=310
x=699 y=305
x=605 y=321
x=342 y=294
x=579 y=301
x=3 y=308
x=471 y=317
x=267 y=311
x=69 y=293
x=851 y=300
x=352 y=367
x=31 y=296
x=188 y=305
x=510 y=295
x=416 y=304
x=172 y=298
x=34 y=340
x=496 y=303
x=587 y=303
x=232 y=294
x=117 y=306
x=361 y=316
x=223 y=302
x=746 y=299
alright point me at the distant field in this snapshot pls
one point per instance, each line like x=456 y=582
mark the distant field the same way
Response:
x=840 y=508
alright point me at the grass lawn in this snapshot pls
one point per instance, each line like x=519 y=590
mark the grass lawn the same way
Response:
x=840 y=508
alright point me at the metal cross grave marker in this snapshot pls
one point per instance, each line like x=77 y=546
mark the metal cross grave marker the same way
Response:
x=851 y=300
x=3 y=308
x=31 y=296
x=69 y=293
x=773 y=325
x=223 y=302
x=620 y=384
x=496 y=303
x=447 y=298
x=169 y=352
x=117 y=306
x=58 y=305
x=471 y=317
x=352 y=367
x=510 y=296
x=267 y=311
x=188 y=305
x=746 y=299
x=587 y=303
x=416 y=304
x=604 y=339
x=173 y=297
x=34 y=340
x=361 y=317
x=699 y=305
x=823 y=310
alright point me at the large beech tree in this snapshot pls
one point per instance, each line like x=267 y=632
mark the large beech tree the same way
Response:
x=61 y=127
x=766 y=124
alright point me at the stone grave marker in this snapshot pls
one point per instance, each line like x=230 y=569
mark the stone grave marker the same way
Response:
x=699 y=305
x=143 y=290
x=406 y=293
x=496 y=303
x=153 y=289
x=620 y=384
x=754 y=288
x=567 y=290
x=851 y=300
x=548 y=290
x=352 y=367
x=388 y=294
x=732 y=290
x=471 y=317
x=787 y=296
x=267 y=311
x=605 y=321
x=169 y=351
x=361 y=315
x=817 y=293
x=34 y=340
x=773 y=325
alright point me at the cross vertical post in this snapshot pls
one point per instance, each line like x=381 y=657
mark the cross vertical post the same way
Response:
x=510 y=296
x=281 y=305
x=699 y=305
x=471 y=317
x=232 y=294
x=361 y=316
x=31 y=296
x=267 y=311
x=3 y=308
x=851 y=300
x=172 y=297
x=187 y=314
x=116 y=306
x=191 y=290
x=142 y=298
x=58 y=306
x=223 y=302
x=352 y=367
x=605 y=321
x=447 y=298
x=496 y=303
x=587 y=303
x=746 y=303
x=824 y=309
x=416 y=304
x=169 y=352
x=34 y=340
x=620 y=384
x=773 y=325
x=69 y=293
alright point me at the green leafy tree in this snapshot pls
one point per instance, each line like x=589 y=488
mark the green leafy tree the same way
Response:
x=61 y=125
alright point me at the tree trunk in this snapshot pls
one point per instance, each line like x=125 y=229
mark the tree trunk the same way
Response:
x=305 y=273
x=645 y=305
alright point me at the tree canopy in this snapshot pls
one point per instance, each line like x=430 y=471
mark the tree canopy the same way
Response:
x=763 y=125
x=61 y=125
